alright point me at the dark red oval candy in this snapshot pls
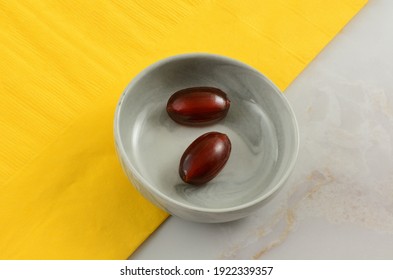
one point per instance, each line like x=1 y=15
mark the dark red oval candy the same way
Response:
x=204 y=158
x=198 y=106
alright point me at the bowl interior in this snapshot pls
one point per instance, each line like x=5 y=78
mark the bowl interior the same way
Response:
x=260 y=125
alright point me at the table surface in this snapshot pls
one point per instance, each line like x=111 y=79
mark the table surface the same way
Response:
x=338 y=203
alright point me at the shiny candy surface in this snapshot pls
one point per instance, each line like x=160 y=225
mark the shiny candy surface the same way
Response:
x=205 y=158
x=197 y=106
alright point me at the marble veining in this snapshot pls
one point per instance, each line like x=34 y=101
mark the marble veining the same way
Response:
x=344 y=170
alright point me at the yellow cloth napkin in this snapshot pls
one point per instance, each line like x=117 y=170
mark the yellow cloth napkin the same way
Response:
x=63 y=67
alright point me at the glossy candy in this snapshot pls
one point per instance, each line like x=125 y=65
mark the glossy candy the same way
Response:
x=198 y=106
x=204 y=158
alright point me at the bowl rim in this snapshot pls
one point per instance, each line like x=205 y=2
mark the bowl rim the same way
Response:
x=162 y=196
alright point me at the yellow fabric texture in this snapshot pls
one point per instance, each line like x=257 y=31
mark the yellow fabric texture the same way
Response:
x=64 y=64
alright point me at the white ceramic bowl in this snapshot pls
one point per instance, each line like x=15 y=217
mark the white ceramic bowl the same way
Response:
x=260 y=124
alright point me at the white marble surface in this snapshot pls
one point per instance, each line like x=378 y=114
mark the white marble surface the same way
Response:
x=338 y=204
